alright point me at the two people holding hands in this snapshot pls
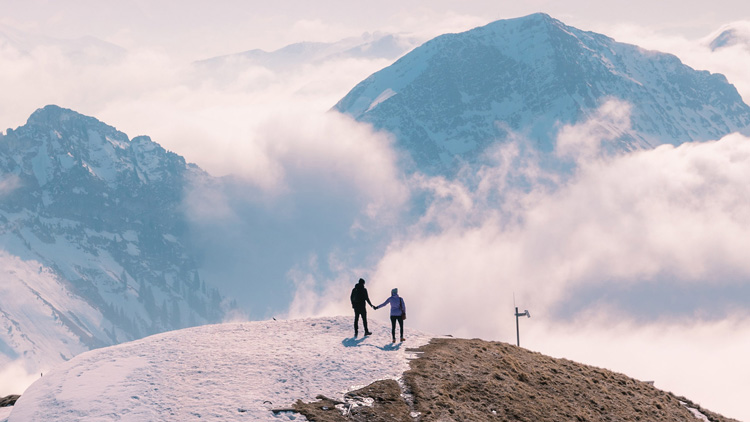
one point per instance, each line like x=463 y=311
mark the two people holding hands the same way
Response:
x=360 y=298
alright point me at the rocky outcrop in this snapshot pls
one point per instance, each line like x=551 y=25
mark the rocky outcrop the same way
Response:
x=9 y=400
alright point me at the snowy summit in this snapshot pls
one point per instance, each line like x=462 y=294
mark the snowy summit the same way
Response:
x=235 y=371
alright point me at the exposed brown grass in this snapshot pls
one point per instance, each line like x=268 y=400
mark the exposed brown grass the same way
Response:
x=476 y=380
x=388 y=405
x=9 y=400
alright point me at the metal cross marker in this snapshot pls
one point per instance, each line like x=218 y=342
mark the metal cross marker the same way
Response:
x=518 y=335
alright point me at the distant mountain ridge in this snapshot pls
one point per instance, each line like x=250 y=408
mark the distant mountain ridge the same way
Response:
x=84 y=49
x=102 y=218
x=368 y=46
x=449 y=99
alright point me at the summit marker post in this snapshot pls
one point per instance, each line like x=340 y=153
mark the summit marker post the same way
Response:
x=518 y=335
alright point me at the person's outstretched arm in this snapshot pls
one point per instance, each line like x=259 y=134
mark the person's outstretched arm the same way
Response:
x=383 y=304
x=367 y=299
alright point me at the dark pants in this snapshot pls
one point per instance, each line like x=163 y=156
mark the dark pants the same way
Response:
x=400 y=320
x=357 y=312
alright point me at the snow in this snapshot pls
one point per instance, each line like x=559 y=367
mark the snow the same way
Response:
x=32 y=305
x=133 y=250
x=130 y=235
x=697 y=413
x=4 y=413
x=235 y=371
x=388 y=93
x=41 y=167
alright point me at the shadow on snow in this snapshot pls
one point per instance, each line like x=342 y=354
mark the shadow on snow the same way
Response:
x=355 y=342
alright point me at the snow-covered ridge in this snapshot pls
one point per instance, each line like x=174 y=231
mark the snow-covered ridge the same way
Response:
x=238 y=371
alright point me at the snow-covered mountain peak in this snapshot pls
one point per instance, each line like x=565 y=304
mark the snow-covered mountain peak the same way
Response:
x=59 y=143
x=533 y=22
x=52 y=116
x=734 y=34
x=96 y=225
x=450 y=98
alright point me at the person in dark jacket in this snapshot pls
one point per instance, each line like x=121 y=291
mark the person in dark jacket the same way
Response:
x=398 y=313
x=360 y=299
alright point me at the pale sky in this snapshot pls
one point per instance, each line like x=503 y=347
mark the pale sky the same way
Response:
x=197 y=29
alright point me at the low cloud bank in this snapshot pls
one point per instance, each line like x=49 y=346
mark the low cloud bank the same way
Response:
x=596 y=248
x=672 y=214
x=330 y=194
x=14 y=378
x=215 y=117
x=701 y=360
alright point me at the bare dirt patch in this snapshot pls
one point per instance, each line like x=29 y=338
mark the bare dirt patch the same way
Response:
x=386 y=405
x=476 y=380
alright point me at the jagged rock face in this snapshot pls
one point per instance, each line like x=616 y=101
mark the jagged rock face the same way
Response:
x=102 y=217
x=449 y=99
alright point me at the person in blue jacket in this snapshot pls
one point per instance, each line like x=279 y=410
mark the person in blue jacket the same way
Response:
x=398 y=312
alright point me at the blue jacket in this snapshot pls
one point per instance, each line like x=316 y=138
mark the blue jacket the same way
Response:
x=398 y=307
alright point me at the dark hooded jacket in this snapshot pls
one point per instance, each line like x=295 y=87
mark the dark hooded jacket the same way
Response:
x=360 y=297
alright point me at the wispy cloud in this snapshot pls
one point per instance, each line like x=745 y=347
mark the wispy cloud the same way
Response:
x=14 y=378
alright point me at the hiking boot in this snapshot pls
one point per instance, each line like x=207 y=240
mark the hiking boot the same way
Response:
x=394 y=340
x=403 y=339
x=367 y=333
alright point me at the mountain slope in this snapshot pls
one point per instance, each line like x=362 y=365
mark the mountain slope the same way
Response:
x=92 y=234
x=235 y=371
x=258 y=371
x=449 y=99
x=477 y=380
